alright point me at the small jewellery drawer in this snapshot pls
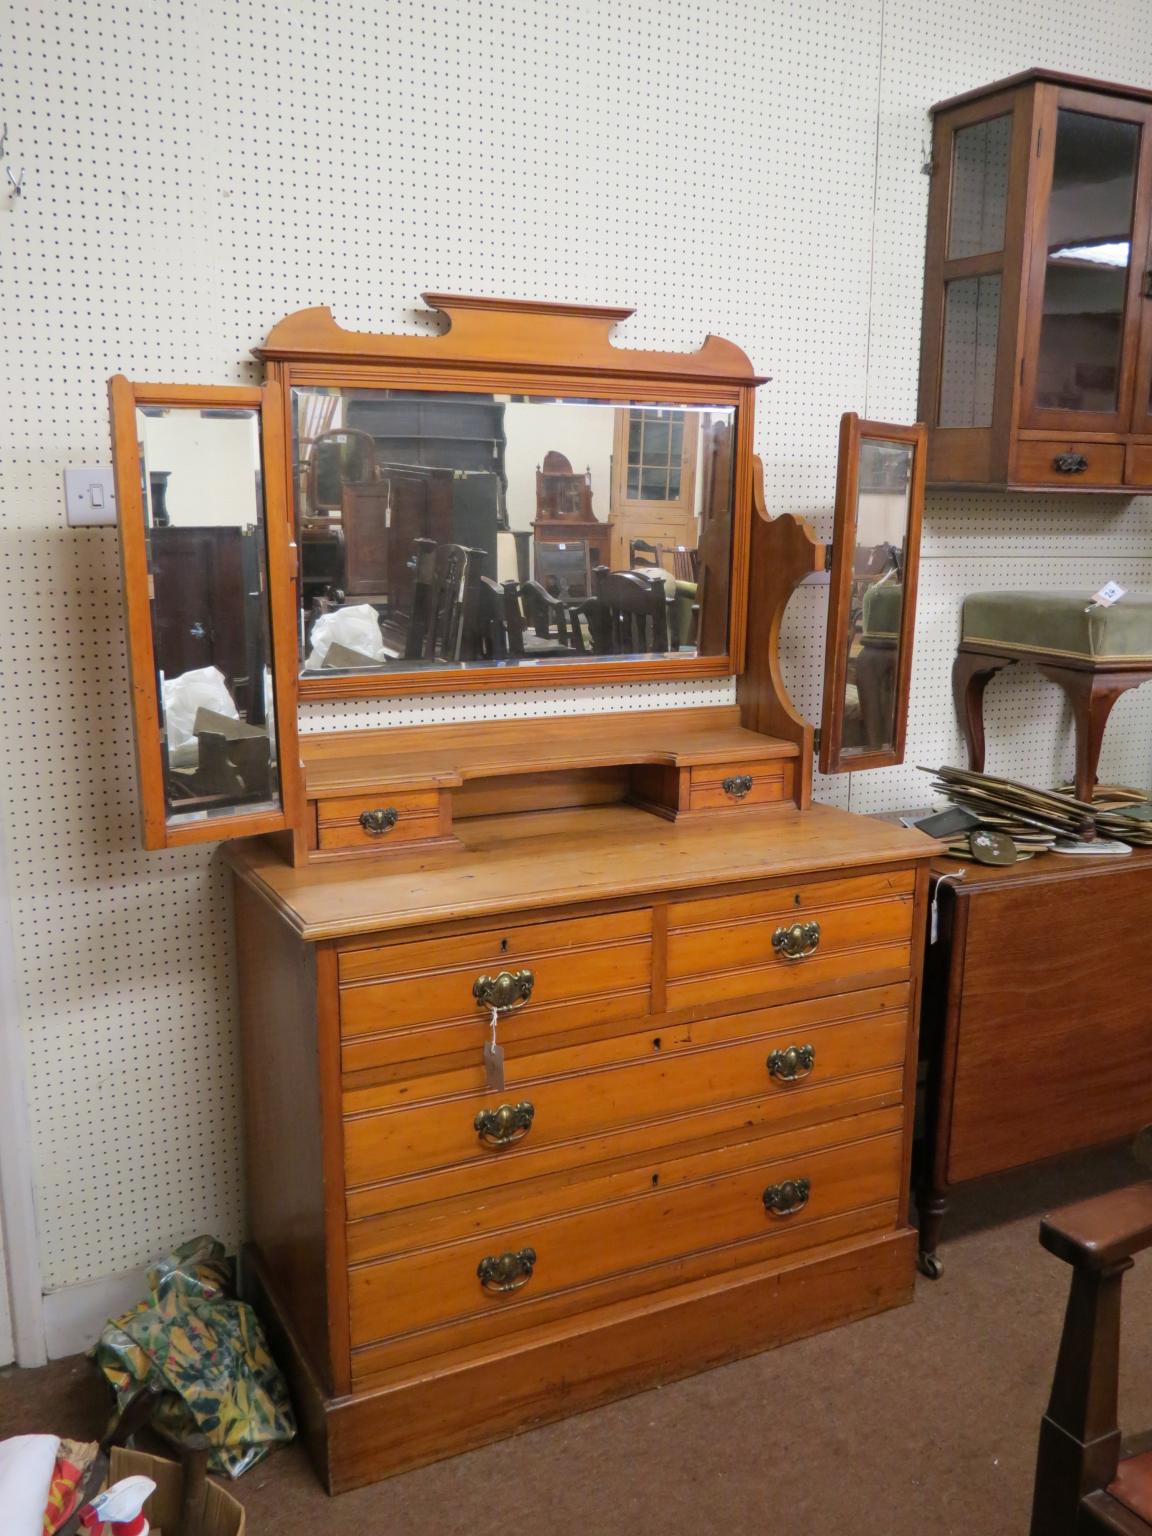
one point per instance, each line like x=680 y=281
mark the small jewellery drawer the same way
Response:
x=830 y=935
x=1060 y=462
x=378 y=821
x=405 y=1001
x=717 y=786
x=695 y=1213
x=556 y=1102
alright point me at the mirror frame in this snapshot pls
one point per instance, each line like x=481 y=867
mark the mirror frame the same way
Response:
x=514 y=346
x=279 y=574
x=853 y=434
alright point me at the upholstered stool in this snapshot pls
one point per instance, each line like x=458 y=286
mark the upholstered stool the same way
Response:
x=1093 y=653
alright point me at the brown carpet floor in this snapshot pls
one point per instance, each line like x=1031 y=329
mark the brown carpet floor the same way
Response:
x=920 y=1421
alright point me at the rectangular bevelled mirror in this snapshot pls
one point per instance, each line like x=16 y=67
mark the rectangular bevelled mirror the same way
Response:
x=196 y=538
x=872 y=594
x=452 y=530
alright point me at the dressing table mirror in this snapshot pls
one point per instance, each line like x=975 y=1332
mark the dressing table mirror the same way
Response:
x=198 y=484
x=872 y=594
x=579 y=1048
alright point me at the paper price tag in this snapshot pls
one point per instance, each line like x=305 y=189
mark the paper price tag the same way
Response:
x=1111 y=592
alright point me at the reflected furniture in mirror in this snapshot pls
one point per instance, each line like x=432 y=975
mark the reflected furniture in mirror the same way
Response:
x=872 y=594
x=1095 y=653
x=578 y=1050
x=1036 y=351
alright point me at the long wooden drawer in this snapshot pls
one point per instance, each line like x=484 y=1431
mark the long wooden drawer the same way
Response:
x=562 y=1096
x=710 y=1206
x=824 y=936
x=585 y=970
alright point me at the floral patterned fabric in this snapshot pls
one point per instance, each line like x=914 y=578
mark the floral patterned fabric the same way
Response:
x=206 y=1352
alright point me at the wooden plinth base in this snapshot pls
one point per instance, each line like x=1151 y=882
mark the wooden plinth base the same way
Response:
x=456 y=1403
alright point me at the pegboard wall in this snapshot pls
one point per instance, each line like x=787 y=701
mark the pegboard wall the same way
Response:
x=195 y=169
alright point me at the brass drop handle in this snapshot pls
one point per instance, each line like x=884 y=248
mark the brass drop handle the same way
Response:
x=1070 y=463
x=376 y=823
x=787 y=1198
x=505 y=1126
x=792 y=1065
x=736 y=785
x=505 y=992
x=797 y=942
x=504 y=1272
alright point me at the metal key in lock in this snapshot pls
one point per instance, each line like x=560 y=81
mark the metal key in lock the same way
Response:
x=493 y=1057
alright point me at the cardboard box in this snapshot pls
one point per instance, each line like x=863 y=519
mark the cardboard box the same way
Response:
x=223 y=1516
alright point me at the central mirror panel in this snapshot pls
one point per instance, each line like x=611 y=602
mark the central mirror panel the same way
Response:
x=444 y=529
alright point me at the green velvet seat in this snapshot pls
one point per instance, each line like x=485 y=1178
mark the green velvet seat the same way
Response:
x=1061 y=624
x=882 y=607
x=1094 y=653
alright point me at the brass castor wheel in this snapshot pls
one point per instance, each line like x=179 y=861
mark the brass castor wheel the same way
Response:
x=929 y=1266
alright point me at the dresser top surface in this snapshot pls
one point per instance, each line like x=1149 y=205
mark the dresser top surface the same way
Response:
x=1042 y=868
x=546 y=859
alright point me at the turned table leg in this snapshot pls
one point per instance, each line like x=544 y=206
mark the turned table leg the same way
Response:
x=971 y=674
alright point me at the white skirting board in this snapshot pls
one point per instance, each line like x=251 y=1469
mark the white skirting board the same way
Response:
x=75 y=1315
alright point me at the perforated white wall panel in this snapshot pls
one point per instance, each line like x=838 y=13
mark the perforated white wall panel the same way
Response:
x=197 y=168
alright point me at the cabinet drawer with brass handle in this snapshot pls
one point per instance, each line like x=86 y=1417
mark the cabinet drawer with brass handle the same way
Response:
x=380 y=822
x=567 y=1107
x=782 y=958
x=427 y=997
x=1058 y=462
x=704 y=1210
x=725 y=786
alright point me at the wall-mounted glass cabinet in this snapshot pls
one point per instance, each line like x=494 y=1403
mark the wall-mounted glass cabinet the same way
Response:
x=1036 y=357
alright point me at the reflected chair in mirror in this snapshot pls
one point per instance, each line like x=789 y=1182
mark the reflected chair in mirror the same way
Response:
x=337 y=458
x=499 y=627
x=640 y=617
x=556 y=626
x=642 y=554
x=1083 y=1484
x=445 y=602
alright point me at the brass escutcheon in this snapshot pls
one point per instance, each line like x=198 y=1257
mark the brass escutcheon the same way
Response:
x=792 y=1065
x=736 y=785
x=376 y=823
x=787 y=1198
x=501 y=1273
x=505 y=991
x=798 y=941
x=505 y=1126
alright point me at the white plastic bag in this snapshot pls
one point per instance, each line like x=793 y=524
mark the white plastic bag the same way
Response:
x=357 y=627
x=204 y=688
x=27 y=1463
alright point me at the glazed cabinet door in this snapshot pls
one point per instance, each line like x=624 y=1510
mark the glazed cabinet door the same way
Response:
x=1090 y=213
x=208 y=591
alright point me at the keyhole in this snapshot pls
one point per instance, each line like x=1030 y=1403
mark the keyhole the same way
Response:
x=656 y=1043
x=503 y=946
x=655 y=1179
x=796 y=899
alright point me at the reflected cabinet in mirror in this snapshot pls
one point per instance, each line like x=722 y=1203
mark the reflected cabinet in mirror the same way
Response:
x=196 y=539
x=872 y=596
x=456 y=529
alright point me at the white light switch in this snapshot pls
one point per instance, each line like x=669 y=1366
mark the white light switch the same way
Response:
x=90 y=496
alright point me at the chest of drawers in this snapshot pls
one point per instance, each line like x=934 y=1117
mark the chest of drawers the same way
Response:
x=699 y=1150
